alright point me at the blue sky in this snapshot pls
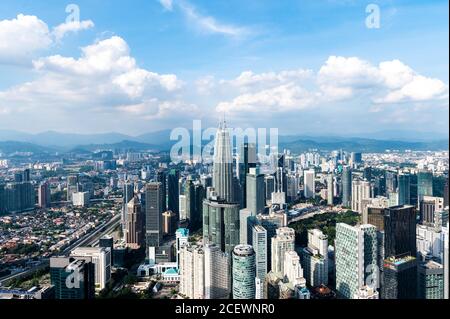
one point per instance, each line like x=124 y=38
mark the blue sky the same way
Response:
x=308 y=66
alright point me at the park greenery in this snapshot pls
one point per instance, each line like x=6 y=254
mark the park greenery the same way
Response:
x=326 y=223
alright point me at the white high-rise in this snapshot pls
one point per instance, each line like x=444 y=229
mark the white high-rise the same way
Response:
x=101 y=258
x=315 y=258
x=217 y=273
x=192 y=272
x=259 y=242
x=283 y=241
x=309 y=183
x=360 y=191
x=293 y=271
x=223 y=164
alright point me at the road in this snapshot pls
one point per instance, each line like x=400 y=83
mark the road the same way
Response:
x=90 y=239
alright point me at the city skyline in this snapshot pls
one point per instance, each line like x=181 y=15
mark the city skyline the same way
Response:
x=301 y=66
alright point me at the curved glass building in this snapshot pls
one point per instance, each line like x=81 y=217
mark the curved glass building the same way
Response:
x=244 y=272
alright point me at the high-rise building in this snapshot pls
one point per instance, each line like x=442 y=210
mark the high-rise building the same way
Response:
x=330 y=189
x=192 y=272
x=255 y=192
x=269 y=181
x=315 y=258
x=445 y=260
x=72 y=278
x=101 y=258
x=391 y=179
x=153 y=219
x=259 y=243
x=173 y=191
x=399 y=278
x=355 y=258
x=283 y=241
x=424 y=185
x=221 y=224
x=44 y=195
x=400 y=231
x=360 y=191
x=346 y=186
x=134 y=230
x=404 y=189
x=244 y=272
x=428 y=207
x=223 y=164
x=128 y=194
x=309 y=184
x=80 y=199
x=247 y=160
x=430 y=280
x=217 y=273
x=181 y=240
x=161 y=177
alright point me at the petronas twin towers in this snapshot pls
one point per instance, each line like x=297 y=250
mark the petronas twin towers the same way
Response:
x=223 y=164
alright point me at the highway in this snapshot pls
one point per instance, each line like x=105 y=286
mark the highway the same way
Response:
x=91 y=238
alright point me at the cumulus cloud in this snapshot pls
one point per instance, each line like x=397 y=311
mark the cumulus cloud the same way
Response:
x=23 y=36
x=72 y=26
x=105 y=76
x=339 y=79
x=167 y=4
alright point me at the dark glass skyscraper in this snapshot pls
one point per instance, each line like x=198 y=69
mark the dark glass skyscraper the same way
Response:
x=424 y=185
x=346 y=186
x=173 y=188
x=400 y=231
x=400 y=278
x=404 y=186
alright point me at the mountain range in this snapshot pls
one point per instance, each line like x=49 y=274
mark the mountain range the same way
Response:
x=15 y=141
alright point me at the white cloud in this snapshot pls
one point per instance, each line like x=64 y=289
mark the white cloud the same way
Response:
x=104 y=76
x=167 y=4
x=339 y=79
x=204 y=23
x=23 y=36
x=287 y=97
x=73 y=26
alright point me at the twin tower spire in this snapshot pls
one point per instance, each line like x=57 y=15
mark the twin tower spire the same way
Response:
x=223 y=164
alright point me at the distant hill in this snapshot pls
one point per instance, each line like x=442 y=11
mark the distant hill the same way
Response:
x=160 y=141
x=10 y=147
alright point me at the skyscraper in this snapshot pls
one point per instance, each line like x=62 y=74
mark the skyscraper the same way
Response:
x=134 y=230
x=161 y=177
x=360 y=191
x=424 y=185
x=44 y=195
x=330 y=189
x=259 y=243
x=153 y=220
x=223 y=164
x=244 y=272
x=173 y=191
x=346 y=186
x=430 y=281
x=247 y=160
x=355 y=257
x=399 y=278
x=192 y=272
x=404 y=185
x=315 y=258
x=283 y=241
x=221 y=223
x=72 y=278
x=400 y=231
x=428 y=207
x=309 y=184
x=101 y=258
x=255 y=192
x=217 y=273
